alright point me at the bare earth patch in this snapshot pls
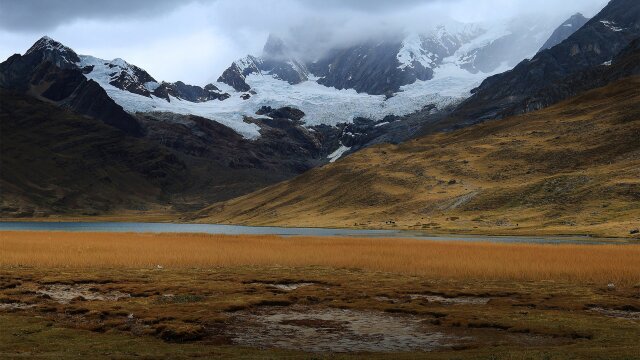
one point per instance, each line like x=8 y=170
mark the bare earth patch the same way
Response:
x=291 y=287
x=336 y=330
x=15 y=306
x=619 y=314
x=65 y=293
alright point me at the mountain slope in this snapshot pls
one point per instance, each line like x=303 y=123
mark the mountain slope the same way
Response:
x=523 y=88
x=566 y=29
x=548 y=171
x=52 y=160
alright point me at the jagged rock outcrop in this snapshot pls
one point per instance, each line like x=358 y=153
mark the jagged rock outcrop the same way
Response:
x=190 y=93
x=236 y=77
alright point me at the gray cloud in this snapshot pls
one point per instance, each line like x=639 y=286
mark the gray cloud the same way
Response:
x=42 y=15
x=195 y=40
x=39 y=15
x=365 y=5
x=314 y=26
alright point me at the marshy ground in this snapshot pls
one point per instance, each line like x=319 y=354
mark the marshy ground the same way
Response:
x=78 y=299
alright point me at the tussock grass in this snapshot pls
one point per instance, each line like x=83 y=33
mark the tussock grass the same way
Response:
x=446 y=260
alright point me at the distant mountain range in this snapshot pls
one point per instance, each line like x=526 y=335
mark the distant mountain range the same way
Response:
x=567 y=168
x=271 y=117
x=384 y=67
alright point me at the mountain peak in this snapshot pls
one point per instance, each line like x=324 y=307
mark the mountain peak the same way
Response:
x=566 y=29
x=45 y=43
x=51 y=50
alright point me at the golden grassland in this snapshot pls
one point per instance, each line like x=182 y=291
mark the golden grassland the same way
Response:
x=536 y=301
x=573 y=168
x=448 y=260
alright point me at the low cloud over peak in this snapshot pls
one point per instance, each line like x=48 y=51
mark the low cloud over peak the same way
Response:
x=194 y=40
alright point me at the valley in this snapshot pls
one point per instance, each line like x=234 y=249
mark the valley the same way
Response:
x=547 y=172
x=336 y=180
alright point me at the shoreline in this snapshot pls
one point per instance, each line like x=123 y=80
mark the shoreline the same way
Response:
x=581 y=233
x=319 y=233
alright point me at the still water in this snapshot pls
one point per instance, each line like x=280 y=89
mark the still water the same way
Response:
x=253 y=230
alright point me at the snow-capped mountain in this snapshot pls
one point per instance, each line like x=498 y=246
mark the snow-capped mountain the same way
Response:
x=276 y=61
x=132 y=79
x=280 y=83
x=384 y=67
x=373 y=80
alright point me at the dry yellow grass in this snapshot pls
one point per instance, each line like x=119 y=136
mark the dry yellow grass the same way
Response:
x=442 y=260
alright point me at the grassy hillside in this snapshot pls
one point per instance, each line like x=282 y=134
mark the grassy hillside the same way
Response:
x=573 y=168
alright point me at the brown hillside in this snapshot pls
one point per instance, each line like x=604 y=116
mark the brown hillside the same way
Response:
x=573 y=168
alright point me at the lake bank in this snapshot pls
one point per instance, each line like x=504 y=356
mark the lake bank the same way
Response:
x=151 y=227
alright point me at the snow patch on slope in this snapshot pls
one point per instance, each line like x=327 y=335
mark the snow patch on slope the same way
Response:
x=412 y=51
x=611 y=25
x=336 y=155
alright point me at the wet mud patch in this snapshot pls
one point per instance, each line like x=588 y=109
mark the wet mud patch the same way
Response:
x=336 y=330
x=437 y=299
x=284 y=285
x=461 y=300
x=64 y=294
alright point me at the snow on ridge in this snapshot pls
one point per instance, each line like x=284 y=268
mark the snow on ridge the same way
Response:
x=103 y=74
x=105 y=71
x=49 y=44
x=321 y=104
x=247 y=62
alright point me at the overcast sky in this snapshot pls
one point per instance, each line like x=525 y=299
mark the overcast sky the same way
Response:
x=195 y=40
